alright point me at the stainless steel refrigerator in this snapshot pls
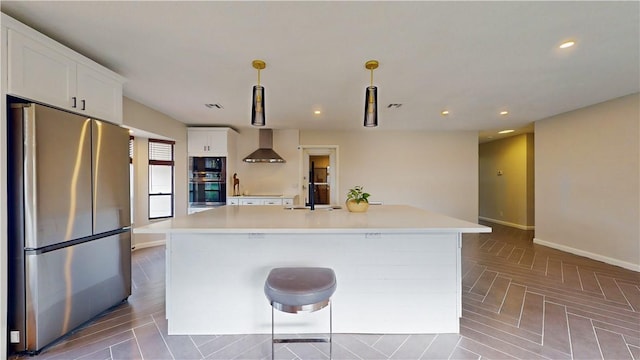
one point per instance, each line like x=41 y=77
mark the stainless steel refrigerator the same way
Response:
x=69 y=222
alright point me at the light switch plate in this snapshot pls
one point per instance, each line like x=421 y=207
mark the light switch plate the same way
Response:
x=14 y=337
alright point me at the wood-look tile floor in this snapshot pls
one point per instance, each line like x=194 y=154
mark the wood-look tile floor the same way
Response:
x=520 y=301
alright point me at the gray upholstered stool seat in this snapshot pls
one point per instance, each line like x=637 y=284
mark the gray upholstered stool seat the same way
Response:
x=295 y=289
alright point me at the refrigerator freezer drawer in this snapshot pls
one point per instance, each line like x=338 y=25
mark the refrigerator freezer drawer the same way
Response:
x=69 y=286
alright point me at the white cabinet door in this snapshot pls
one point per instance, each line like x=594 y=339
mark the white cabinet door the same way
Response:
x=198 y=143
x=36 y=72
x=218 y=142
x=233 y=201
x=207 y=142
x=99 y=95
x=287 y=201
x=42 y=72
x=272 y=202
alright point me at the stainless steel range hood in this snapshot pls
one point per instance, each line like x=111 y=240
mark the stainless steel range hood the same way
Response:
x=265 y=153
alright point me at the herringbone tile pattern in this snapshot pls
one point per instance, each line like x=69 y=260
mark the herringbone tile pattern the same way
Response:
x=533 y=302
x=520 y=301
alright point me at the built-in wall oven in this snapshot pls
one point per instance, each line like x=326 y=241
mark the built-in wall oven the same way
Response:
x=207 y=181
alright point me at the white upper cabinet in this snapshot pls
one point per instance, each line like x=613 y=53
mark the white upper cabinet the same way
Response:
x=40 y=73
x=207 y=141
x=99 y=95
x=43 y=70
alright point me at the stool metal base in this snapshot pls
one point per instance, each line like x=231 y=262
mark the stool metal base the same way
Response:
x=308 y=308
x=301 y=340
x=294 y=309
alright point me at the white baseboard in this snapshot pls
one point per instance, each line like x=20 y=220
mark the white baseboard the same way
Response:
x=506 y=223
x=590 y=255
x=149 y=244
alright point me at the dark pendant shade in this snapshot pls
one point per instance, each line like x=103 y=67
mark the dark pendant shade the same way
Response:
x=257 y=106
x=371 y=107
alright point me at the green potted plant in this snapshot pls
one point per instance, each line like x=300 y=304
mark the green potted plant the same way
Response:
x=357 y=199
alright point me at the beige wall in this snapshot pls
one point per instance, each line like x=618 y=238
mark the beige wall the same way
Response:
x=587 y=174
x=432 y=170
x=507 y=198
x=436 y=171
x=140 y=117
x=264 y=178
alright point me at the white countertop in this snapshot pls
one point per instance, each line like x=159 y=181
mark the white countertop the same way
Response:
x=260 y=196
x=275 y=219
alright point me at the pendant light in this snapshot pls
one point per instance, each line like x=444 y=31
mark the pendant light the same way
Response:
x=257 y=104
x=371 y=98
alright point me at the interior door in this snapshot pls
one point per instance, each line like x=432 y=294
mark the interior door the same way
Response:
x=306 y=154
x=321 y=182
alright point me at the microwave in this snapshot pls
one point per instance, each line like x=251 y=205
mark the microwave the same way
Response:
x=207 y=169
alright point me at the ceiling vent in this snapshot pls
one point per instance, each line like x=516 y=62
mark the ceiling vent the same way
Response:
x=265 y=153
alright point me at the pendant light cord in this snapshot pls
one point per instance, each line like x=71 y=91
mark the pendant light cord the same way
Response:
x=371 y=100
x=371 y=77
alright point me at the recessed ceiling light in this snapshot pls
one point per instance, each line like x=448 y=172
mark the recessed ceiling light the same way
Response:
x=505 y=131
x=567 y=44
x=504 y=112
x=317 y=112
x=444 y=112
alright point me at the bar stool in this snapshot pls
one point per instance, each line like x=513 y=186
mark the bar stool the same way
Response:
x=300 y=289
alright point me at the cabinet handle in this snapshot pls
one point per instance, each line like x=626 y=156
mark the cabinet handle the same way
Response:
x=73 y=104
x=83 y=105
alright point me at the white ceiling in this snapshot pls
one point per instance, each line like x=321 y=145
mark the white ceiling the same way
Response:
x=472 y=58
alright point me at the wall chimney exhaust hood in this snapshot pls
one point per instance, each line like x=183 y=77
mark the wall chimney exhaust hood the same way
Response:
x=265 y=153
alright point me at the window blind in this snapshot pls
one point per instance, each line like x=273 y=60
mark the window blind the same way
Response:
x=160 y=152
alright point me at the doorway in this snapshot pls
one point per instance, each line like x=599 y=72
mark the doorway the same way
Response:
x=507 y=181
x=323 y=160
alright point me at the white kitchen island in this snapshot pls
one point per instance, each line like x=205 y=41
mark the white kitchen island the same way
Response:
x=398 y=268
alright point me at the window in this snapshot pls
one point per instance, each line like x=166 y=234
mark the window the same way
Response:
x=160 y=178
